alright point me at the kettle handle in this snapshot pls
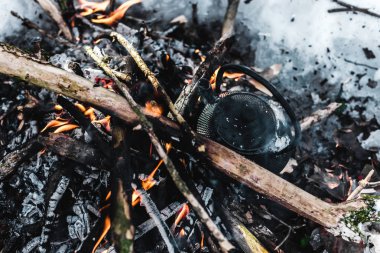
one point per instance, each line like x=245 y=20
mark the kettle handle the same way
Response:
x=272 y=89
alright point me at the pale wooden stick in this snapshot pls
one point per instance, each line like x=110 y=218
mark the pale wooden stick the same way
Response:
x=319 y=115
x=230 y=17
x=56 y=15
x=362 y=184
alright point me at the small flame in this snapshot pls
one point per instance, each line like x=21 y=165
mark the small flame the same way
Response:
x=92 y=7
x=108 y=195
x=149 y=182
x=107 y=226
x=65 y=128
x=146 y=183
x=104 y=207
x=58 y=108
x=202 y=239
x=55 y=123
x=80 y=107
x=90 y=113
x=154 y=108
x=105 y=122
x=182 y=233
x=233 y=75
x=116 y=15
x=135 y=198
x=182 y=214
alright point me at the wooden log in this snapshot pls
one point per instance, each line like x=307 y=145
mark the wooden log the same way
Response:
x=17 y=64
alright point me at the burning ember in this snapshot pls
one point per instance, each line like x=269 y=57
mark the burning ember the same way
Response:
x=94 y=7
x=154 y=108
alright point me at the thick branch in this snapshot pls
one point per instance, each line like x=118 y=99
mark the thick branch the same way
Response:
x=14 y=63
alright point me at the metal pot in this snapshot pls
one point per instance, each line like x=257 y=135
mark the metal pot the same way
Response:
x=258 y=126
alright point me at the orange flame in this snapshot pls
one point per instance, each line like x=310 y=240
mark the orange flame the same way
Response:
x=135 y=198
x=107 y=226
x=116 y=15
x=182 y=214
x=54 y=123
x=92 y=7
x=80 y=107
x=235 y=76
x=105 y=122
x=58 y=108
x=149 y=182
x=154 y=108
x=146 y=183
x=182 y=233
x=90 y=113
x=202 y=239
x=108 y=195
x=65 y=128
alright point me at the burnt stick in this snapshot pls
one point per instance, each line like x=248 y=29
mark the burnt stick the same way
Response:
x=11 y=161
x=75 y=150
x=163 y=228
x=14 y=62
x=205 y=70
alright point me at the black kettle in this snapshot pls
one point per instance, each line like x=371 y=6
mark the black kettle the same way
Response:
x=261 y=127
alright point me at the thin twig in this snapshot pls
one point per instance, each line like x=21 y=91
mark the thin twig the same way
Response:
x=224 y=244
x=31 y=25
x=360 y=64
x=56 y=15
x=362 y=184
x=152 y=78
x=319 y=115
x=358 y=9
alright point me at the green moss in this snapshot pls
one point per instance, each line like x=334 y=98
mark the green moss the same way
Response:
x=366 y=214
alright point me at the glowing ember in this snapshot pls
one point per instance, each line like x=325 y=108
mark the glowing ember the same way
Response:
x=182 y=214
x=105 y=123
x=182 y=232
x=202 y=239
x=65 y=128
x=107 y=226
x=104 y=207
x=92 y=7
x=55 y=123
x=116 y=15
x=154 y=108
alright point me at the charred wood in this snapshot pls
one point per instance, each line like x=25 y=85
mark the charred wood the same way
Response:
x=12 y=160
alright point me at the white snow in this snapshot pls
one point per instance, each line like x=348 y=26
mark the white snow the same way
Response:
x=372 y=142
x=9 y=24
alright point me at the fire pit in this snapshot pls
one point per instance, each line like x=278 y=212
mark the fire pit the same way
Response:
x=124 y=130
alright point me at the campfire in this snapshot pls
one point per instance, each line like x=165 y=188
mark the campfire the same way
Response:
x=124 y=132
